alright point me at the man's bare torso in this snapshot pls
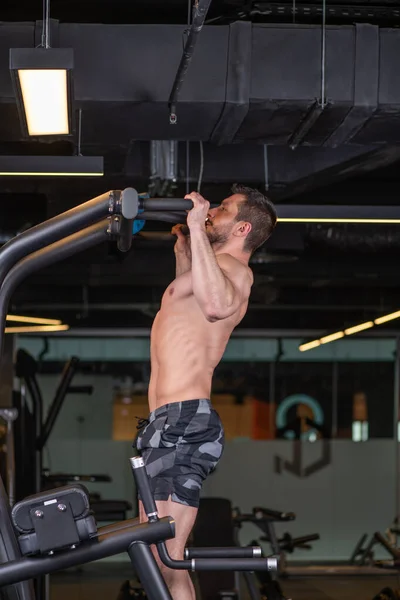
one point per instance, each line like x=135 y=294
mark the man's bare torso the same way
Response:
x=185 y=346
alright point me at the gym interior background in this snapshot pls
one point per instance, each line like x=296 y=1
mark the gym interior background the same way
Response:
x=300 y=99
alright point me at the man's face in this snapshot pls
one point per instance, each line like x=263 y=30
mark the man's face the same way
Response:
x=222 y=219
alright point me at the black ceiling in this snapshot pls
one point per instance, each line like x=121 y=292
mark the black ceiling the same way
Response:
x=250 y=107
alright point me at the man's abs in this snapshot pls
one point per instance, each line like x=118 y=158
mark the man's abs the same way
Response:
x=185 y=349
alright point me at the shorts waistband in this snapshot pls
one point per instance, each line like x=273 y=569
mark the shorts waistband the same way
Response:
x=200 y=402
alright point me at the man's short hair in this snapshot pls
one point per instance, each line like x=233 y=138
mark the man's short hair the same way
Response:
x=258 y=210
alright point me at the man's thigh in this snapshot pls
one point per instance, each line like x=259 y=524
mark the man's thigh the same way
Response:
x=184 y=517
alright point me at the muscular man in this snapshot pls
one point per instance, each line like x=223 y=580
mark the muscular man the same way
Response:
x=184 y=437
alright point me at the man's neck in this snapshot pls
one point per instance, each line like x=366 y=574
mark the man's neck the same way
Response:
x=241 y=256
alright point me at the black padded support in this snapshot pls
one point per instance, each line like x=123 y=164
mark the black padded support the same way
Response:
x=214 y=527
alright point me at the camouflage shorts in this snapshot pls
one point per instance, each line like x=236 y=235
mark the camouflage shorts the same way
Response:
x=181 y=443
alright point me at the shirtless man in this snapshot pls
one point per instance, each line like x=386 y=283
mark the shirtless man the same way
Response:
x=184 y=437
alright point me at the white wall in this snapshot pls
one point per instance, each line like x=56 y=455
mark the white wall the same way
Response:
x=354 y=494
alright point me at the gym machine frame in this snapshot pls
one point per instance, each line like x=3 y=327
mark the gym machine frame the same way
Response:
x=109 y=216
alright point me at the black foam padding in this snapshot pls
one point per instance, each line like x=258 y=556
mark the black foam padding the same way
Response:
x=214 y=527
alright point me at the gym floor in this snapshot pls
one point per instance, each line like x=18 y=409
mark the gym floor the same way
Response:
x=103 y=581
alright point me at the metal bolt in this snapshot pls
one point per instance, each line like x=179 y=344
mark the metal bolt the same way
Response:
x=62 y=507
x=39 y=514
x=111 y=203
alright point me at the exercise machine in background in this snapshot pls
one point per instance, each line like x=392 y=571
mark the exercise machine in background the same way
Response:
x=361 y=562
x=32 y=430
x=265 y=519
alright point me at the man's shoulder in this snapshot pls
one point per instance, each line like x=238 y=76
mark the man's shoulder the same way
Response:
x=227 y=260
x=233 y=265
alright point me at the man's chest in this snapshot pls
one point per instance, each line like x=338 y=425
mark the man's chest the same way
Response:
x=179 y=289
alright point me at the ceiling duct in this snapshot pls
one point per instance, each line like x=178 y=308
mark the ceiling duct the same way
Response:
x=163 y=167
x=345 y=238
x=237 y=88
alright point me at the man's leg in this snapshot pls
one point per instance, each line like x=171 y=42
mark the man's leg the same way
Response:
x=178 y=581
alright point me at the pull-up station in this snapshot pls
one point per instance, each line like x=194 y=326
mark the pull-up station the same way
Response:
x=55 y=529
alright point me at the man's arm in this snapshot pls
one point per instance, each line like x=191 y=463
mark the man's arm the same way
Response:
x=220 y=283
x=182 y=251
x=183 y=262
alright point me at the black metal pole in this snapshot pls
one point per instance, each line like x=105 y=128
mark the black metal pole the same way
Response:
x=54 y=229
x=10 y=551
x=298 y=212
x=58 y=401
x=158 y=215
x=109 y=544
x=199 y=16
x=57 y=251
x=148 y=572
x=252 y=586
x=143 y=487
x=37 y=403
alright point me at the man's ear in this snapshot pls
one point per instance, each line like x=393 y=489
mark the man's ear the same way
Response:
x=242 y=229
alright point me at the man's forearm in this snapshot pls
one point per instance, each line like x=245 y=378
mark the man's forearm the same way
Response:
x=209 y=282
x=183 y=262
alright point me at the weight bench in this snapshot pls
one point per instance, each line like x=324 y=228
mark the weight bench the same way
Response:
x=103 y=509
x=56 y=530
x=265 y=519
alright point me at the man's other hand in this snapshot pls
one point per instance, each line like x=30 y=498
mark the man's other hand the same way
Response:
x=198 y=214
x=182 y=243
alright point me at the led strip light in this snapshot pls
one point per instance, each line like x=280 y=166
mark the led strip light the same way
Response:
x=349 y=331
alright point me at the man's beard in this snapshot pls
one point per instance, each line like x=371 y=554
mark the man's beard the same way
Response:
x=218 y=236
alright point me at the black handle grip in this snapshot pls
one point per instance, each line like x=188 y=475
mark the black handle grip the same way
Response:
x=259 y=512
x=234 y=564
x=165 y=204
x=248 y=552
x=143 y=486
x=125 y=234
x=217 y=564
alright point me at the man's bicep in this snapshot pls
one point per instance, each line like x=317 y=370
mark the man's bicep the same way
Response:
x=238 y=283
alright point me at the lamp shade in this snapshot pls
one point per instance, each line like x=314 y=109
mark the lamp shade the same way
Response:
x=42 y=79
